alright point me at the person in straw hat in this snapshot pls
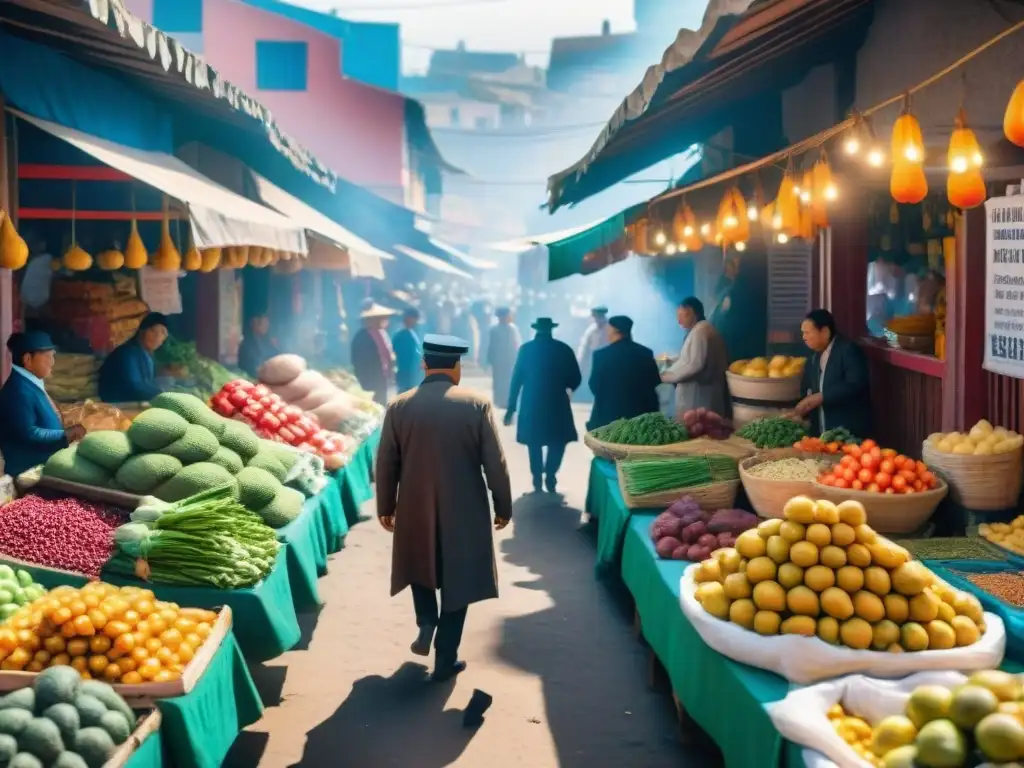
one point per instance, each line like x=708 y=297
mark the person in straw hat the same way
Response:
x=373 y=358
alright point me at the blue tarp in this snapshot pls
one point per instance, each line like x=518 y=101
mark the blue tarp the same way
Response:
x=51 y=86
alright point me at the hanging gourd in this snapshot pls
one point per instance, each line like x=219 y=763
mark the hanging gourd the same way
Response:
x=787 y=205
x=691 y=231
x=13 y=249
x=135 y=256
x=824 y=191
x=907 y=141
x=1013 y=119
x=193 y=260
x=110 y=260
x=769 y=219
x=75 y=258
x=735 y=228
x=210 y=259
x=167 y=257
x=965 y=186
x=908 y=184
x=727 y=220
x=641 y=239
x=679 y=224
x=274 y=258
x=242 y=256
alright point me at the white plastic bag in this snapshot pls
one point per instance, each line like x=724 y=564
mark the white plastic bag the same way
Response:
x=807 y=660
x=802 y=717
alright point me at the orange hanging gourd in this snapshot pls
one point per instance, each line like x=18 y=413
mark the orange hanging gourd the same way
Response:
x=787 y=206
x=825 y=192
x=907 y=141
x=965 y=186
x=1013 y=119
x=967 y=189
x=691 y=232
x=908 y=183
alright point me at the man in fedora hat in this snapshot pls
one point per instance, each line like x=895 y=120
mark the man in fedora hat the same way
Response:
x=439 y=456
x=502 y=348
x=546 y=372
x=625 y=378
x=373 y=359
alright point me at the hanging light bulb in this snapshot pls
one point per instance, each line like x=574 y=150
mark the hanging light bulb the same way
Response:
x=796 y=190
x=876 y=157
x=831 y=192
x=912 y=152
x=959 y=164
x=782 y=238
x=670 y=249
x=741 y=246
x=977 y=159
x=687 y=231
x=777 y=221
x=659 y=238
x=683 y=249
x=752 y=212
x=852 y=145
x=731 y=221
x=805 y=196
x=705 y=229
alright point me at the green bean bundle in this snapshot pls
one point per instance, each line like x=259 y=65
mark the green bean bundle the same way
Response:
x=652 y=475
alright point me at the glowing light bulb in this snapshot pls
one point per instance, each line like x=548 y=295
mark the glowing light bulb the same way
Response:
x=731 y=221
x=831 y=192
x=659 y=239
x=977 y=159
x=876 y=158
x=796 y=190
x=777 y=221
x=670 y=249
x=752 y=212
x=805 y=196
x=687 y=230
x=683 y=249
x=959 y=164
x=782 y=238
x=705 y=229
x=718 y=238
x=913 y=153
x=741 y=246
x=851 y=146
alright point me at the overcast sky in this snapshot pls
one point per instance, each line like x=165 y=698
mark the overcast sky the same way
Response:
x=501 y=25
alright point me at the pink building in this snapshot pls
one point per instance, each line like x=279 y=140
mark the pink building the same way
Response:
x=296 y=70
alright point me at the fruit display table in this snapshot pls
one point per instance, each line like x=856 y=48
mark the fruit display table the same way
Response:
x=605 y=504
x=306 y=552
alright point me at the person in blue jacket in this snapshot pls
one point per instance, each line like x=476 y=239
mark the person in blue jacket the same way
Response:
x=31 y=427
x=408 y=352
x=128 y=375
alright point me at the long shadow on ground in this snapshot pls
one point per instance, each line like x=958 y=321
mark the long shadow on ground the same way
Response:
x=394 y=721
x=584 y=653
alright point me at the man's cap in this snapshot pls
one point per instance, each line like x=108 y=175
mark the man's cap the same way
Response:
x=601 y=310
x=621 y=323
x=153 y=318
x=377 y=310
x=440 y=345
x=544 y=324
x=411 y=314
x=502 y=312
x=29 y=342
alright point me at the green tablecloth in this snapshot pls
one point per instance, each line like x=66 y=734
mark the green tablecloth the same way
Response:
x=356 y=478
x=306 y=554
x=725 y=698
x=332 y=510
x=150 y=753
x=604 y=502
x=199 y=728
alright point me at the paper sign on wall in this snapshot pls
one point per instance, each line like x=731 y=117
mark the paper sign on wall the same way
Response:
x=160 y=291
x=1004 y=286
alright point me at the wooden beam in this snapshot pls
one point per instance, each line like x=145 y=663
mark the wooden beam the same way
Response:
x=71 y=172
x=60 y=214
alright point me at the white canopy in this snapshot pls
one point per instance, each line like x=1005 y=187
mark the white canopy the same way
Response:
x=430 y=261
x=465 y=258
x=520 y=244
x=365 y=260
x=219 y=217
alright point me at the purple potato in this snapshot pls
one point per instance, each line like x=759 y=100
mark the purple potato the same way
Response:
x=659 y=524
x=680 y=553
x=711 y=418
x=726 y=540
x=689 y=535
x=691 y=517
x=690 y=419
x=666 y=546
x=708 y=540
x=697 y=553
x=697 y=430
x=699 y=529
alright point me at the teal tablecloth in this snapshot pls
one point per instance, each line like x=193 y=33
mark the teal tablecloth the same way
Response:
x=306 y=553
x=332 y=511
x=150 y=753
x=605 y=504
x=356 y=480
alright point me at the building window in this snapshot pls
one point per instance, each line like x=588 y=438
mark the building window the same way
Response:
x=453 y=115
x=178 y=16
x=281 y=66
x=482 y=123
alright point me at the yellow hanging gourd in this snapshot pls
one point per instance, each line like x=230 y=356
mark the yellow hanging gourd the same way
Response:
x=193 y=260
x=691 y=232
x=76 y=259
x=1013 y=119
x=242 y=256
x=908 y=183
x=965 y=186
x=787 y=206
x=135 y=256
x=824 y=191
x=211 y=258
x=167 y=258
x=641 y=244
x=13 y=249
x=110 y=260
x=907 y=141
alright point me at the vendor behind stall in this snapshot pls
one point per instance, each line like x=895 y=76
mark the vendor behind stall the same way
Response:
x=836 y=379
x=699 y=372
x=31 y=427
x=128 y=375
x=257 y=347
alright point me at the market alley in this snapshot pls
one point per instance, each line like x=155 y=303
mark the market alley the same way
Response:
x=555 y=651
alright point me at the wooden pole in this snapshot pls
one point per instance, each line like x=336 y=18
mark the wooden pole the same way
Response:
x=8 y=169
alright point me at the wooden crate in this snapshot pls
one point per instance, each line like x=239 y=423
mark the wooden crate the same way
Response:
x=146 y=726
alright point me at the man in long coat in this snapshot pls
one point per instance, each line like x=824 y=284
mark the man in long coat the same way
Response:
x=373 y=358
x=625 y=378
x=502 y=348
x=431 y=494
x=547 y=374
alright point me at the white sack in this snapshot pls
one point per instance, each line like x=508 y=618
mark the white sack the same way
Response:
x=805 y=660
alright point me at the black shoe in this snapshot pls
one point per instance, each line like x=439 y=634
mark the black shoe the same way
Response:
x=551 y=485
x=478 y=705
x=421 y=645
x=441 y=674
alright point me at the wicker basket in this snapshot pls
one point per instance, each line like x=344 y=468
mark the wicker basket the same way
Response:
x=767 y=390
x=769 y=497
x=743 y=414
x=889 y=513
x=736 y=447
x=711 y=497
x=981 y=483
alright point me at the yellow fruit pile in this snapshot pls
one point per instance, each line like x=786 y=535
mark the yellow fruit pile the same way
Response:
x=1009 y=535
x=939 y=725
x=982 y=440
x=116 y=634
x=823 y=571
x=779 y=367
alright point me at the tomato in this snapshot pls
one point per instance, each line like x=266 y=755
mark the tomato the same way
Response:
x=873 y=488
x=841 y=483
x=827 y=480
x=928 y=478
x=857 y=485
x=888 y=453
x=877 y=452
x=869 y=461
x=832 y=447
x=855 y=451
x=918 y=486
x=889 y=491
x=849 y=475
x=909 y=489
x=867 y=445
x=883 y=480
x=920 y=467
x=901 y=461
x=909 y=474
x=887 y=466
x=899 y=482
x=847 y=461
x=846 y=448
x=866 y=476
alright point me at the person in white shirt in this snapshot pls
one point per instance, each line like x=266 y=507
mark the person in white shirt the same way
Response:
x=594 y=338
x=699 y=373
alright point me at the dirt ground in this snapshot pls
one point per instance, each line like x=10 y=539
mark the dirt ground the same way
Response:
x=555 y=651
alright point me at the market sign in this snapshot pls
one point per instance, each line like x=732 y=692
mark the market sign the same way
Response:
x=1004 y=286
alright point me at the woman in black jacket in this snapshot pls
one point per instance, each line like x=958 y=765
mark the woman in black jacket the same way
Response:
x=835 y=385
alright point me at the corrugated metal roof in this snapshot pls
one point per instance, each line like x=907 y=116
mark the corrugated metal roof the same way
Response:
x=697 y=75
x=104 y=34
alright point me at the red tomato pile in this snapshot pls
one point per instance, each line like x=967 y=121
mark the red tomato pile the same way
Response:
x=272 y=418
x=866 y=467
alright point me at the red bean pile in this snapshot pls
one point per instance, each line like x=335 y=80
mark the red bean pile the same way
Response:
x=65 y=533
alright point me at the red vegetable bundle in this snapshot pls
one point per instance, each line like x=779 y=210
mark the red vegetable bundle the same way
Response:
x=64 y=533
x=272 y=418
